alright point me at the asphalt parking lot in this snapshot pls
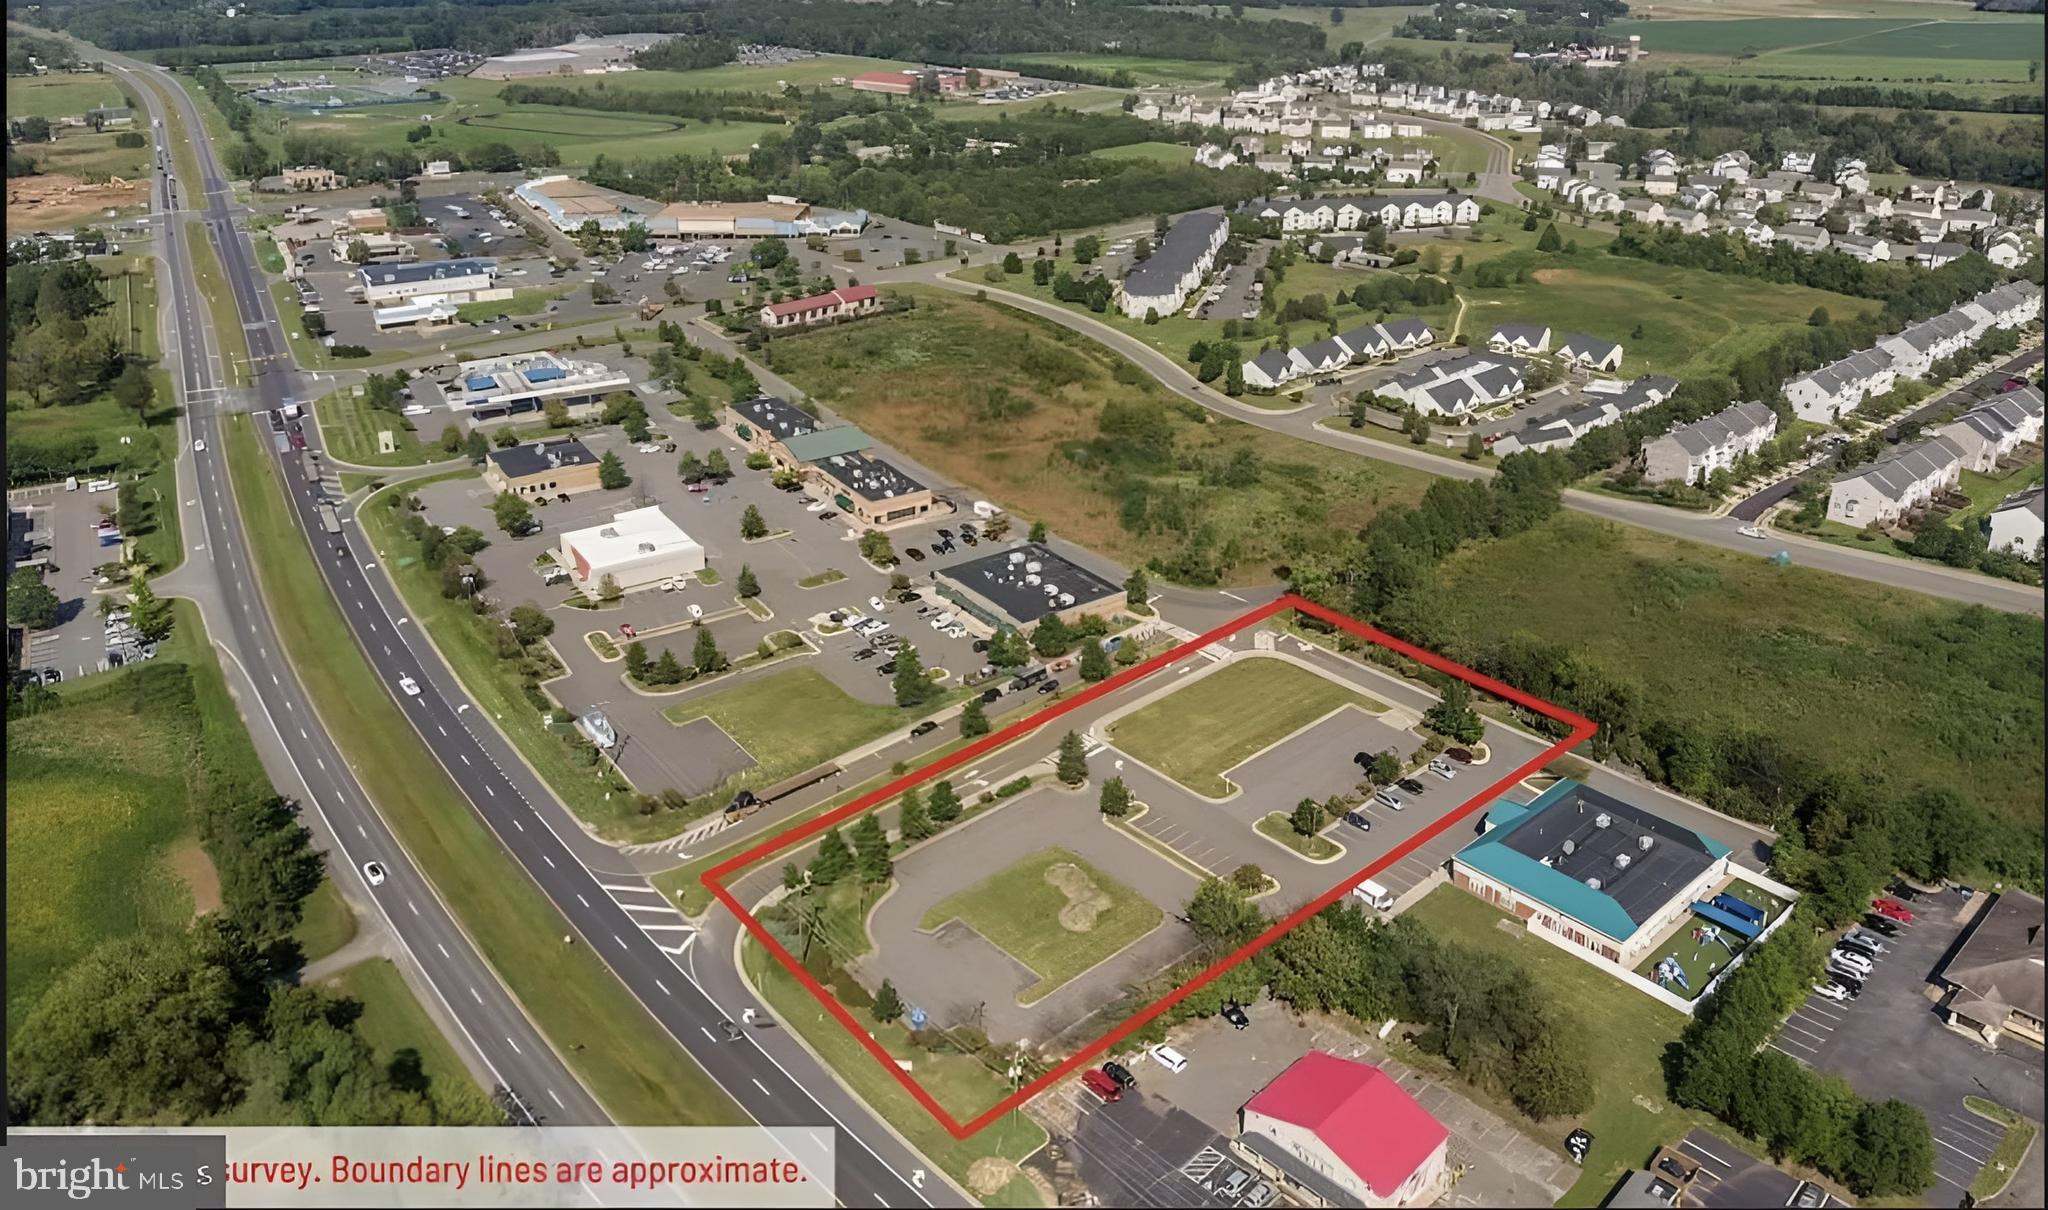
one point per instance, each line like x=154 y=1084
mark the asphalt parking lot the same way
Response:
x=466 y=219
x=1890 y=1042
x=61 y=528
x=1728 y=1179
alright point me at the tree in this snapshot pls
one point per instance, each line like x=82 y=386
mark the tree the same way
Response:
x=888 y=1005
x=706 y=655
x=747 y=585
x=530 y=623
x=1137 y=589
x=911 y=819
x=1384 y=768
x=1038 y=532
x=770 y=252
x=637 y=662
x=358 y=252
x=1051 y=636
x=1233 y=380
x=1453 y=715
x=1094 y=661
x=1551 y=1080
x=973 y=719
x=913 y=687
x=1819 y=318
x=149 y=613
x=1475 y=448
x=1220 y=915
x=701 y=412
x=30 y=602
x=1086 y=249
x=611 y=472
x=1116 y=798
x=1013 y=264
x=134 y=391
x=945 y=804
x=667 y=670
x=1307 y=818
x=834 y=860
x=1073 y=760
x=1007 y=649
x=690 y=468
x=871 y=850
x=751 y=524
x=608 y=589
x=1893 y=1151
x=557 y=414
x=1550 y=240
x=513 y=513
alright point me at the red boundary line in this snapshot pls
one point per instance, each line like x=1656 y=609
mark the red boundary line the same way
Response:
x=1582 y=729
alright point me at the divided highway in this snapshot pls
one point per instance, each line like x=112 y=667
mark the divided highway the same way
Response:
x=765 y=1070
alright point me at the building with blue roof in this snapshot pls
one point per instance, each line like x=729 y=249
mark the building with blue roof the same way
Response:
x=1605 y=877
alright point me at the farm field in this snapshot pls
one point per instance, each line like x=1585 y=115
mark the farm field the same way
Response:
x=1935 y=693
x=1941 y=46
x=1161 y=153
x=1053 y=912
x=1145 y=71
x=916 y=380
x=1201 y=729
x=61 y=94
x=805 y=73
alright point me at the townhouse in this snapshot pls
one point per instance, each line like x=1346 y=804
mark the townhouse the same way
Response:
x=1915 y=350
x=1589 y=352
x=1995 y=428
x=1865 y=248
x=1935 y=255
x=1560 y=432
x=1803 y=237
x=1883 y=492
x=1459 y=386
x=1691 y=453
x=2015 y=525
x=1825 y=395
x=1395 y=211
x=1162 y=281
x=1520 y=338
x=1276 y=367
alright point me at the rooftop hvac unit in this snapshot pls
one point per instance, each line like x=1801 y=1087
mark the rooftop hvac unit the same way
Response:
x=1594 y=883
x=1569 y=847
x=1051 y=590
x=1602 y=820
x=1031 y=579
x=1066 y=598
x=1016 y=556
x=1644 y=842
x=1034 y=565
x=608 y=532
x=1621 y=861
x=647 y=548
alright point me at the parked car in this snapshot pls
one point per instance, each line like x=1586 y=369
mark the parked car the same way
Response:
x=828 y=514
x=865 y=653
x=1051 y=686
x=888 y=668
x=626 y=629
x=1410 y=785
x=1866 y=940
x=1391 y=802
x=916 y=555
x=924 y=728
x=908 y=597
x=1849 y=983
x=1234 y=1013
x=875 y=603
x=1881 y=925
x=1902 y=892
x=1443 y=768
x=696 y=610
x=1101 y=1085
x=1851 y=945
x=1832 y=991
x=991 y=694
x=1358 y=820
x=1169 y=1058
x=1892 y=909
x=980 y=645
x=1121 y=1074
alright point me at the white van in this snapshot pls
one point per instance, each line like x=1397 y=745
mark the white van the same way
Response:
x=1169 y=1058
x=1376 y=897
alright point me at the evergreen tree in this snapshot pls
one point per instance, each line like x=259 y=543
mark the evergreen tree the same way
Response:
x=667 y=670
x=871 y=850
x=1073 y=760
x=706 y=656
x=611 y=472
x=834 y=860
x=751 y=524
x=973 y=719
x=747 y=585
x=1116 y=798
x=911 y=819
x=1051 y=636
x=945 y=805
x=1550 y=240
x=636 y=660
x=1038 y=531
x=149 y=613
x=1137 y=588
x=1307 y=818
x=913 y=687
x=888 y=1005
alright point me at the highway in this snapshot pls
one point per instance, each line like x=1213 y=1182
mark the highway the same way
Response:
x=763 y=1068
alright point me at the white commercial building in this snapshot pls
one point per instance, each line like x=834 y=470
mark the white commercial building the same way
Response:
x=635 y=548
x=519 y=383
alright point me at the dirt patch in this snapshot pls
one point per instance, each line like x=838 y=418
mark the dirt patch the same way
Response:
x=53 y=199
x=1552 y=276
x=195 y=869
x=1085 y=901
x=987 y=1175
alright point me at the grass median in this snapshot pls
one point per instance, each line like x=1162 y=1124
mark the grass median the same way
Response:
x=220 y=305
x=605 y=1036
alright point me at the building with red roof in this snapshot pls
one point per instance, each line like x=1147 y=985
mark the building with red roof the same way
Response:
x=1336 y=1132
x=847 y=302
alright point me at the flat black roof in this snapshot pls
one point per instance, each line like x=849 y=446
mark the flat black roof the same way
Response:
x=779 y=418
x=869 y=478
x=519 y=461
x=1015 y=580
x=1580 y=832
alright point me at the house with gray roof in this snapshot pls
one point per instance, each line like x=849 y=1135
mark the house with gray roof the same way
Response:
x=2015 y=525
x=1328 y=353
x=1520 y=338
x=1995 y=428
x=1825 y=395
x=1590 y=352
x=1994 y=978
x=1915 y=349
x=1271 y=369
x=1804 y=237
x=1162 y=281
x=1934 y=254
x=1883 y=492
x=1691 y=453
x=1460 y=385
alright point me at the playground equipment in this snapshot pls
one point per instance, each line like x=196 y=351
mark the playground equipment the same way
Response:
x=1709 y=934
x=1668 y=971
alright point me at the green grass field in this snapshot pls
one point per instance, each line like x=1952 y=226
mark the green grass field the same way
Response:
x=406 y=1040
x=959 y=1082
x=1208 y=726
x=327 y=925
x=1626 y=1029
x=909 y=379
x=633 y=1068
x=805 y=73
x=1054 y=913
x=783 y=739
x=349 y=428
x=1275 y=825
x=1146 y=71
x=1929 y=691
x=61 y=94
x=1158 y=153
x=1937 y=45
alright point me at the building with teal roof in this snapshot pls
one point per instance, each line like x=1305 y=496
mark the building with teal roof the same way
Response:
x=1606 y=877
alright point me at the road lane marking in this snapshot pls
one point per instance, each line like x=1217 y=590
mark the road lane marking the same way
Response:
x=557 y=1100
x=665 y=991
x=474 y=996
x=444 y=951
x=514 y=1045
x=763 y=1087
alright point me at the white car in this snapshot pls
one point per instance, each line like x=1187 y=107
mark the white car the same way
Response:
x=199 y=447
x=1832 y=991
x=373 y=873
x=1750 y=531
x=671 y=584
x=875 y=603
x=815 y=506
x=696 y=610
x=1169 y=1058
x=956 y=632
x=409 y=685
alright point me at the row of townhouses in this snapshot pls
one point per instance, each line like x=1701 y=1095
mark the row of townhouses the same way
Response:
x=1367 y=342
x=1909 y=477
x=1461 y=385
x=1692 y=452
x=1827 y=394
x=1576 y=349
x=1162 y=281
x=1561 y=432
x=1400 y=211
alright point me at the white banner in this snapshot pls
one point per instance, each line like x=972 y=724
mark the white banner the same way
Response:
x=462 y=1166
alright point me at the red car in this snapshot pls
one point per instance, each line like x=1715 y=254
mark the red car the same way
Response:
x=1102 y=1086
x=626 y=628
x=1892 y=909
